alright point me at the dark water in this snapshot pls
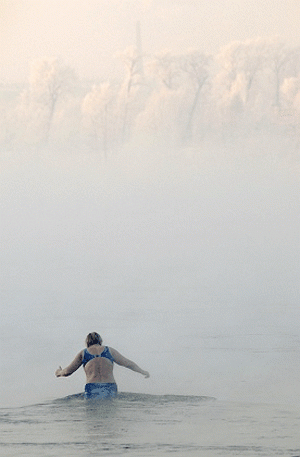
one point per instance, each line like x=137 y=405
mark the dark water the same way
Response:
x=149 y=425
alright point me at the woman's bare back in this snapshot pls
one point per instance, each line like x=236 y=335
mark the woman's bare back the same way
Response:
x=99 y=368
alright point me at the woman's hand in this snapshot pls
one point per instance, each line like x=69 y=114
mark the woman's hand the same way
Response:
x=58 y=372
x=146 y=374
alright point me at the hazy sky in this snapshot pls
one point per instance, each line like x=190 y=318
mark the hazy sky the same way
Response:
x=87 y=34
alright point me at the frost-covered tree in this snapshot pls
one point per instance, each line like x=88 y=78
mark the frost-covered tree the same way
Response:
x=248 y=84
x=130 y=89
x=289 y=115
x=195 y=65
x=284 y=62
x=163 y=119
x=290 y=90
x=165 y=68
x=49 y=82
x=239 y=85
x=99 y=114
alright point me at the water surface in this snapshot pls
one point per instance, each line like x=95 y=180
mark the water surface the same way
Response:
x=140 y=425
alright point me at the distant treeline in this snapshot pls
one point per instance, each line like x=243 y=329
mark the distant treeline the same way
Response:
x=164 y=99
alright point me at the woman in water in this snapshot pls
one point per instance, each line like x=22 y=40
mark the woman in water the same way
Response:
x=98 y=362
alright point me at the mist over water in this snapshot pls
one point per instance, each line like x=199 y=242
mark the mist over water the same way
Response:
x=149 y=191
x=185 y=260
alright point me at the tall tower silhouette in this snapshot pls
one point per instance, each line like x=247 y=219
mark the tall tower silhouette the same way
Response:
x=140 y=64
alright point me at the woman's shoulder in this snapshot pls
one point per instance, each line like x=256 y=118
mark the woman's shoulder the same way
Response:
x=115 y=354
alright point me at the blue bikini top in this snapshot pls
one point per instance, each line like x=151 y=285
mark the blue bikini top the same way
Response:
x=87 y=356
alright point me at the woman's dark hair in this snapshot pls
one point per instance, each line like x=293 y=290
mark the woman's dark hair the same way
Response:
x=93 y=338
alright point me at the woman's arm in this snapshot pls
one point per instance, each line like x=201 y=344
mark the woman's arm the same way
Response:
x=120 y=360
x=70 y=368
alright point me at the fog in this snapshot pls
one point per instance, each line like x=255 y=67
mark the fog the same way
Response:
x=150 y=192
x=187 y=261
x=86 y=34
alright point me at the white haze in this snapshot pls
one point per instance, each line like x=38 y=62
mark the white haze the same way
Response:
x=186 y=260
x=86 y=34
x=160 y=209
